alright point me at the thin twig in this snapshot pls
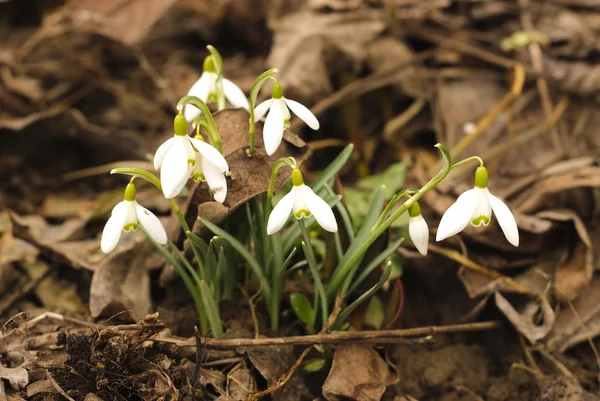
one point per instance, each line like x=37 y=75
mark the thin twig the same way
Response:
x=250 y=301
x=535 y=52
x=57 y=387
x=336 y=337
x=196 y=376
x=282 y=380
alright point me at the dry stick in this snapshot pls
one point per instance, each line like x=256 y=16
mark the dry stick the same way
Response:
x=469 y=264
x=57 y=387
x=336 y=337
x=535 y=52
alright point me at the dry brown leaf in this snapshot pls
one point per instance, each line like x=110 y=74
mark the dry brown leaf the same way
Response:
x=126 y=21
x=273 y=363
x=42 y=386
x=309 y=47
x=566 y=215
x=574 y=274
x=335 y=4
x=571 y=327
x=17 y=377
x=526 y=318
x=120 y=284
x=358 y=373
x=563 y=388
x=241 y=384
x=250 y=176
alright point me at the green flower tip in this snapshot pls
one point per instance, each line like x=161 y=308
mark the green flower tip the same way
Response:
x=277 y=91
x=180 y=125
x=481 y=177
x=415 y=210
x=297 y=178
x=130 y=192
x=209 y=64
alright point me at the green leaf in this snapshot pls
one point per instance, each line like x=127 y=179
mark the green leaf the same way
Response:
x=345 y=313
x=302 y=308
x=217 y=59
x=241 y=249
x=390 y=250
x=212 y=310
x=375 y=314
x=314 y=365
x=334 y=167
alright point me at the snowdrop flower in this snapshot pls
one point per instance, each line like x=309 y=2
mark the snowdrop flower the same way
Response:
x=175 y=159
x=206 y=88
x=278 y=118
x=210 y=166
x=126 y=216
x=418 y=229
x=303 y=202
x=476 y=206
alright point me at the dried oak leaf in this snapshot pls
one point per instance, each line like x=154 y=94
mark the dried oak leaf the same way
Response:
x=357 y=373
x=526 y=318
x=17 y=377
x=250 y=176
x=125 y=21
x=578 y=324
x=574 y=274
x=309 y=47
x=272 y=363
x=121 y=283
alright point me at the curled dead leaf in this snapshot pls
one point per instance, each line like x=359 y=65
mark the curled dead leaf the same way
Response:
x=525 y=319
x=358 y=373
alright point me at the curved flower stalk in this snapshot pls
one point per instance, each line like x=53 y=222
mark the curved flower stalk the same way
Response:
x=303 y=202
x=418 y=229
x=278 y=118
x=210 y=85
x=475 y=206
x=126 y=216
x=210 y=166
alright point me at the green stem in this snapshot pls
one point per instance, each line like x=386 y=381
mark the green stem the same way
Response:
x=260 y=81
x=312 y=264
x=467 y=160
x=343 y=271
x=186 y=280
x=186 y=229
x=391 y=204
x=212 y=131
x=284 y=161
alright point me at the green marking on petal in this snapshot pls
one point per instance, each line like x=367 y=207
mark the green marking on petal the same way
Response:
x=192 y=162
x=302 y=214
x=286 y=123
x=212 y=98
x=130 y=227
x=478 y=221
x=198 y=177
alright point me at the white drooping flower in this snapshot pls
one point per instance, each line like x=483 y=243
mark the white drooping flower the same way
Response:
x=207 y=88
x=278 y=118
x=211 y=167
x=175 y=159
x=418 y=229
x=302 y=202
x=475 y=206
x=126 y=216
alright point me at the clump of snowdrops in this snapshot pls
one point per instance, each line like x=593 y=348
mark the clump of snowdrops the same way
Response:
x=276 y=241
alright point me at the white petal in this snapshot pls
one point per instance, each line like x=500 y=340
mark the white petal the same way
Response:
x=151 y=224
x=280 y=214
x=235 y=95
x=201 y=90
x=211 y=153
x=505 y=219
x=273 y=129
x=261 y=109
x=482 y=210
x=457 y=217
x=304 y=113
x=419 y=233
x=130 y=213
x=174 y=172
x=215 y=179
x=320 y=209
x=113 y=228
x=162 y=150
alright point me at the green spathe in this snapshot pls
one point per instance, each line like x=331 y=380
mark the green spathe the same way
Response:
x=481 y=177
